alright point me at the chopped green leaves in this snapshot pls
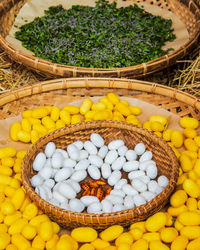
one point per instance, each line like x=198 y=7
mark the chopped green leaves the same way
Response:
x=103 y=36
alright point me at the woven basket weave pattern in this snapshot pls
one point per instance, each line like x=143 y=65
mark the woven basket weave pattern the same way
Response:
x=186 y=10
x=68 y=90
x=162 y=154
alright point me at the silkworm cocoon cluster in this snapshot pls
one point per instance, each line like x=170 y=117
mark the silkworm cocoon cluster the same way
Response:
x=59 y=173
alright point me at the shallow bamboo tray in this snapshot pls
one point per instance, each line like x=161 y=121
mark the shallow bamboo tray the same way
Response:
x=163 y=155
x=71 y=89
x=186 y=10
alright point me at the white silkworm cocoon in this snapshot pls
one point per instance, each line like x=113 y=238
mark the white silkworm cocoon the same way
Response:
x=103 y=151
x=120 y=183
x=63 y=174
x=139 y=185
x=117 y=192
x=78 y=144
x=48 y=163
x=57 y=160
x=163 y=181
x=94 y=172
x=139 y=148
x=97 y=140
x=59 y=197
x=147 y=156
x=114 y=177
x=122 y=150
x=159 y=189
x=67 y=191
x=115 y=144
x=76 y=205
x=82 y=164
x=129 y=190
x=45 y=173
x=144 y=178
x=37 y=180
x=39 y=161
x=50 y=148
x=130 y=166
x=95 y=160
x=111 y=156
x=107 y=206
x=118 y=207
x=78 y=175
x=136 y=174
x=118 y=163
x=75 y=185
x=148 y=195
x=152 y=171
x=115 y=199
x=138 y=200
x=106 y=170
x=88 y=200
x=49 y=183
x=152 y=186
x=83 y=154
x=143 y=165
x=94 y=208
x=69 y=163
x=129 y=202
x=131 y=155
x=63 y=152
x=90 y=148
x=74 y=152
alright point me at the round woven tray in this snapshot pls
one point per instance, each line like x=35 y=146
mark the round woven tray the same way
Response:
x=186 y=10
x=77 y=89
x=163 y=155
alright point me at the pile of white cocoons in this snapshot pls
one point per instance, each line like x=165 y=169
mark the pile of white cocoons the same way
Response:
x=59 y=173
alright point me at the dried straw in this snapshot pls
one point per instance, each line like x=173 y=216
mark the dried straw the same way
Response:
x=13 y=75
x=188 y=78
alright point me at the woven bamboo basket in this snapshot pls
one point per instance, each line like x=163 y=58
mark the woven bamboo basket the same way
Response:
x=163 y=155
x=186 y=10
x=71 y=89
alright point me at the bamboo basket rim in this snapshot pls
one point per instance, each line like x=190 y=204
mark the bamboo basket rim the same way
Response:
x=143 y=69
x=136 y=211
x=98 y=82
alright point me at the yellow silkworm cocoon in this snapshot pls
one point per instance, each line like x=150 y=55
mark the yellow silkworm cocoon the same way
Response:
x=60 y=124
x=26 y=125
x=40 y=112
x=177 y=138
x=76 y=119
x=190 y=144
x=73 y=110
x=123 y=109
x=189 y=122
x=48 y=122
x=14 y=129
x=190 y=132
x=113 y=98
x=24 y=136
x=55 y=113
x=135 y=110
x=27 y=113
x=85 y=106
x=34 y=136
x=65 y=116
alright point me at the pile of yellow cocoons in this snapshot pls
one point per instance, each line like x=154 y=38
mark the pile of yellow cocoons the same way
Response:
x=41 y=121
x=24 y=226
